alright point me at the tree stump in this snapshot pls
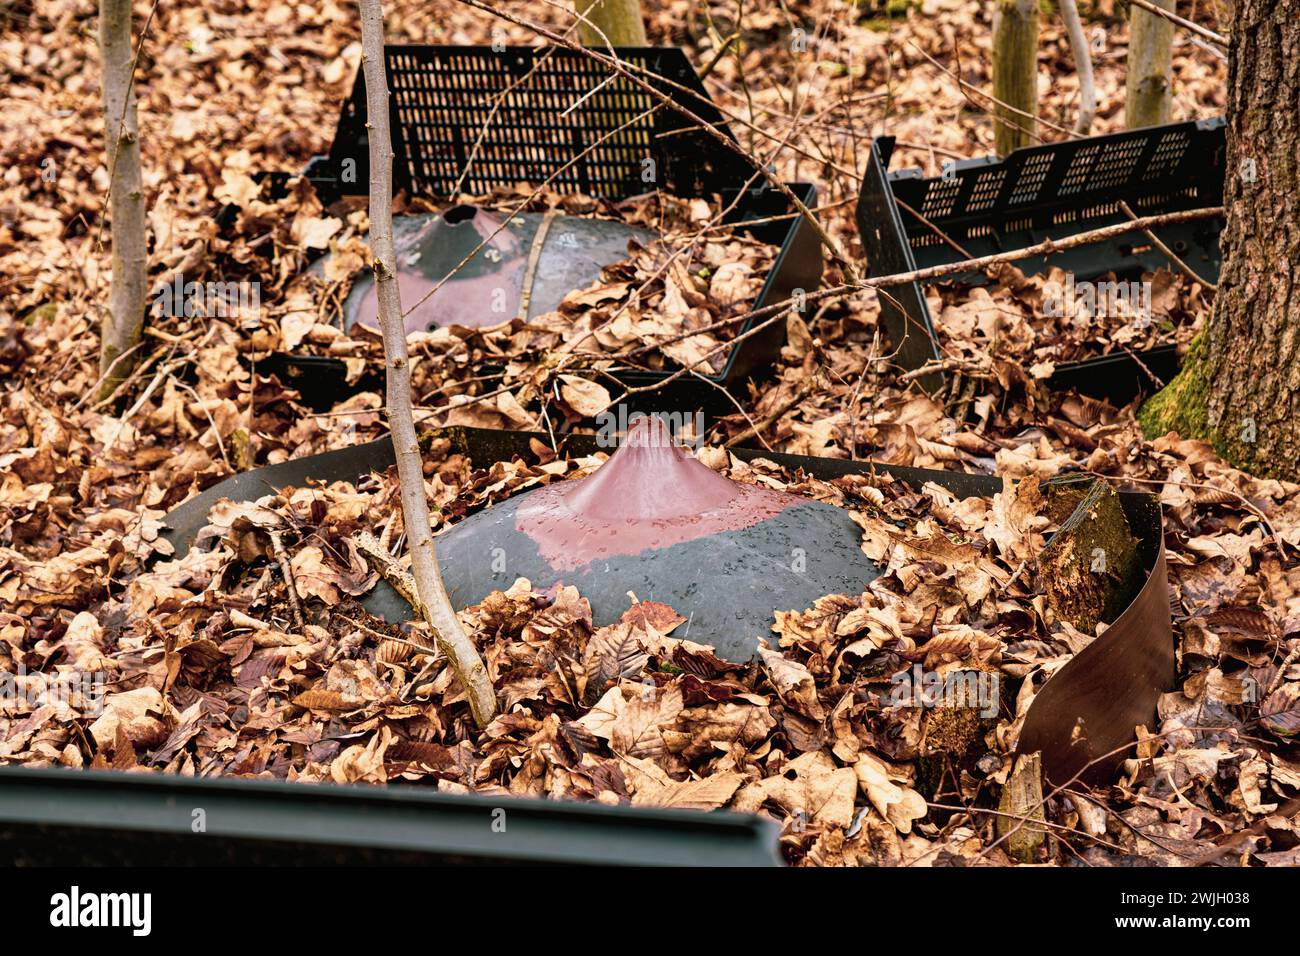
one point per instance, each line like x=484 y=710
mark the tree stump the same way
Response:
x=1090 y=569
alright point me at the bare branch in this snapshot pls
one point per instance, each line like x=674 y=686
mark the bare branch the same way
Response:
x=1196 y=28
x=1169 y=253
x=631 y=74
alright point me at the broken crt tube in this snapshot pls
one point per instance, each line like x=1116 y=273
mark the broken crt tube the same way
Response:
x=655 y=522
x=500 y=267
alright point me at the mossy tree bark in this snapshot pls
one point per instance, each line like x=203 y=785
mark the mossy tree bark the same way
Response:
x=1015 y=74
x=619 y=20
x=124 y=321
x=1150 y=65
x=1240 y=385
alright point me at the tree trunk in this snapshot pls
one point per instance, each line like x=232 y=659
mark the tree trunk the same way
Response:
x=1015 y=74
x=124 y=320
x=1240 y=385
x=619 y=20
x=435 y=606
x=1150 y=58
x=1083 y=63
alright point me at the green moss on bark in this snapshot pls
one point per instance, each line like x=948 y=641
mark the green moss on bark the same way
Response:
x=1182 y=405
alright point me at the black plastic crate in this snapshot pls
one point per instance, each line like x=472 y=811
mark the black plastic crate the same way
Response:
x=556 y=104
x=1044 y=192
x=522 y=113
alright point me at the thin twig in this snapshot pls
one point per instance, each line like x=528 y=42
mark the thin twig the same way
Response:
x=630 y=74
x=767 y=421
x=1169 y=253
x=966 y=87
x=212 y=422
x=387 y=567
x=1174 y=18
x=286 y=572
x=1046 y=247
x=438 y=612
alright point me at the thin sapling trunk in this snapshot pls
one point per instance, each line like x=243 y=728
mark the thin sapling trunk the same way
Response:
x=619 y=21
x=434 y=604
x=1015 y=74
x=1082 y=63
x=1150 y=65
x=123 y=323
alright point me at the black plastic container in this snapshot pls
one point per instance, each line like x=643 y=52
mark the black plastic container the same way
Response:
x=94 y=817
x=1044 y=192
x=519 y=114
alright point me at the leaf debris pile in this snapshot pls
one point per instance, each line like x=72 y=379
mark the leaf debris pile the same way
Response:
x=1045 y=320
x=209 y=674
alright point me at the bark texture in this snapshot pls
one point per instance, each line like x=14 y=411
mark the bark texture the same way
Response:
x=124 y=320
x=1083 y=63
x=1148 y=84
x=619 y=20
x=1240 y=385
x=1020 y=823
x=1015 y=74
x=434 y=605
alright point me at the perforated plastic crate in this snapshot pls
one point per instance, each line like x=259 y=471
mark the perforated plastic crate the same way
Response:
x=468 y=119
x=1046 y=192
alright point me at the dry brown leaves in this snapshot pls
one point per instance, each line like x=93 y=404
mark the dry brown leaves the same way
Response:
x=699 y=274
x=209 y=675
x=1047 y=320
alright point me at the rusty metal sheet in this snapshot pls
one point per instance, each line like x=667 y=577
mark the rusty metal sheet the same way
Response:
x=1087 y=713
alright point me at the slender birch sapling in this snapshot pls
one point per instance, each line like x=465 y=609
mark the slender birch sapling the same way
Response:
x=123 y=323
x=1083 y=64
x=434 y=604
